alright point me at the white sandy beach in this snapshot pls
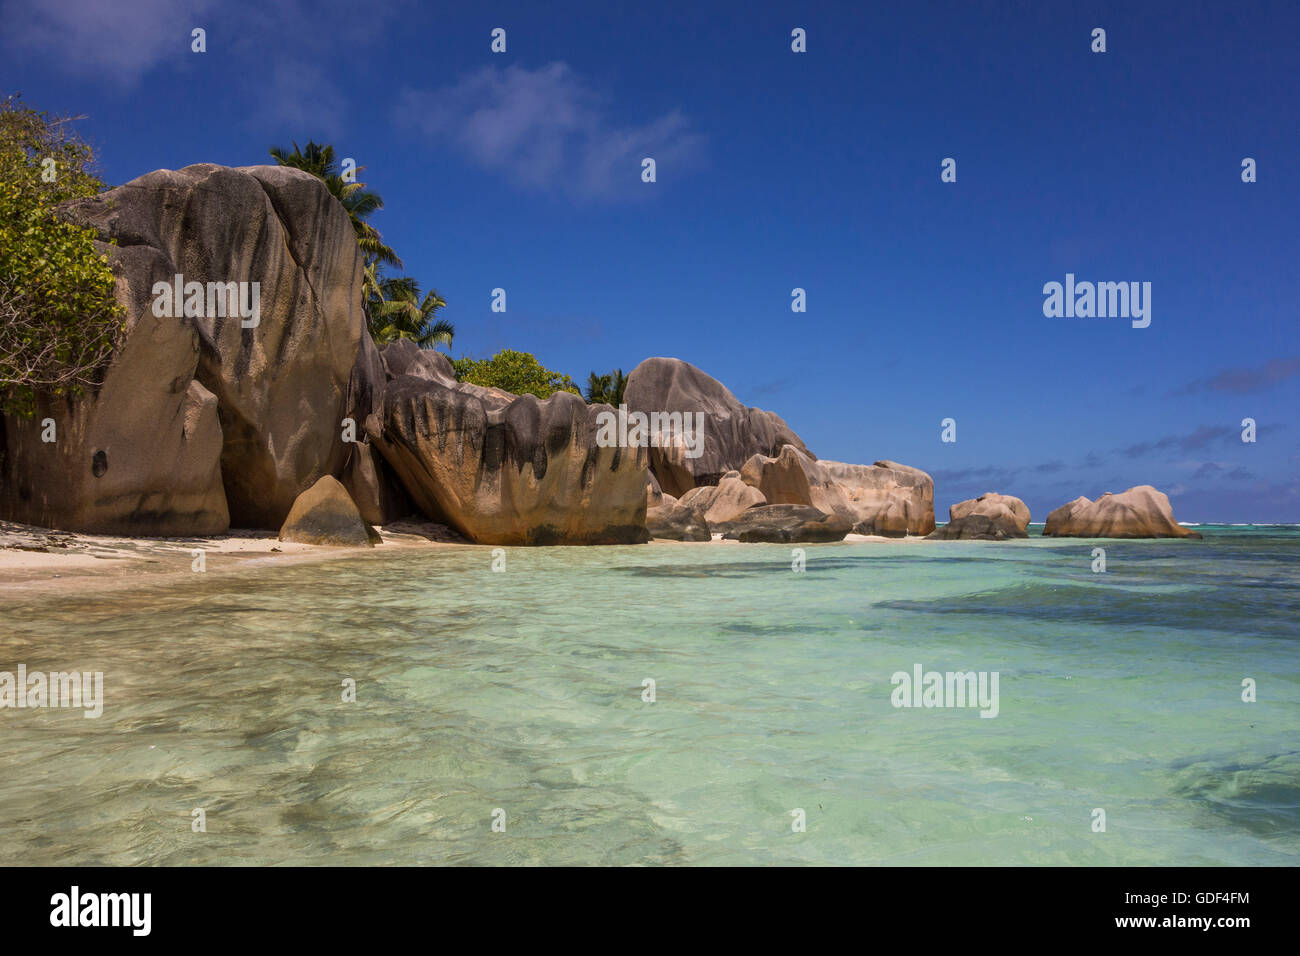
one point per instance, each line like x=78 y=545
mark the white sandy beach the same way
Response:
x=92 y=562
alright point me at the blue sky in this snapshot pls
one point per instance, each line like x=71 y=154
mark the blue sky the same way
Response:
x=777 y=170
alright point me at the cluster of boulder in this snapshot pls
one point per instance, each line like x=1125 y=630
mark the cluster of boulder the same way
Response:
x=1140 y=512
x=301 y=424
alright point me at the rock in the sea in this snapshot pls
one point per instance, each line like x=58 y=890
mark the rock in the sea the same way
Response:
x=732 y=432
x=676 y=523
x=785 y=524
x=325 y=514
x=1140 y=512
x=520 y=472
x=990 y=517
x=726 y=500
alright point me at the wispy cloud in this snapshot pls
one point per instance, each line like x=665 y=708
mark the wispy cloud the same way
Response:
x=1203 y=437
x=116 y=42
x=548 y=129
x=1239 y=381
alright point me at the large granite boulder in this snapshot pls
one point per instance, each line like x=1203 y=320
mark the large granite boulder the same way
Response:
x=676 y=523
x=724 y=501
x=785 y=524
x=204 y=420
x=990 y=517
x=1140 y=512
x=793 y=478
x=520 y=472
x=732 y=432
x=887 y=498
x=325 y=514
x=139 y=455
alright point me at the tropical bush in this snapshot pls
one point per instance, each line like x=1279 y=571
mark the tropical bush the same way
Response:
x=517 y=372
x=606 y=388
x=58 y=317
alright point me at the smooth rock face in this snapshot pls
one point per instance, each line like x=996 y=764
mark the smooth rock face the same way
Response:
x=1140 y=512
x=374 y=488
x=888 y=498
x=991 y=516
x=732 y=432
x=654 y=496
x=792 y=478
x=325 y=514
x=785 y=524
x=676 y=523
x=269 y=398
x=524 y=472
x=726 y=500
x=978 y=527
x=140 y=455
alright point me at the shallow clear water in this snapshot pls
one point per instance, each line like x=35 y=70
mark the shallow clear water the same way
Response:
x=522 y=691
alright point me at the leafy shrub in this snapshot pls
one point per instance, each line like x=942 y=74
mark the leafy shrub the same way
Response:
x=516 y=372
x=58 y=317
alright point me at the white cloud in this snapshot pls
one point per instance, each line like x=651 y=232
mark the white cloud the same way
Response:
x=547 y=129
x=118 y=42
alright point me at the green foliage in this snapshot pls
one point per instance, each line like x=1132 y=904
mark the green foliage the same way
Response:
x=606 y=388
x=516 y=372
x=58 y=317
x=400 y=313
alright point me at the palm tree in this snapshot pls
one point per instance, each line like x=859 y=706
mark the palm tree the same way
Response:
x=398 y=312
x=606 y=388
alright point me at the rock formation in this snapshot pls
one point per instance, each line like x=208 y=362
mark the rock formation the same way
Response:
x=207 y=418
x=726 y=500
x=888 y=498
x=325 y=514
x=732 y=432
x=675 y=523
x=1140 y=512
x=523 y=472
x=785 y=524
x=200 y=421
x=990 y=517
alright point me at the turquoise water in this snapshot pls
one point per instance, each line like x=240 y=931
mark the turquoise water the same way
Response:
x=522 y=691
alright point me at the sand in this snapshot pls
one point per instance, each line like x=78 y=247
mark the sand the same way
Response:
x=40 y=560
x=36 y=559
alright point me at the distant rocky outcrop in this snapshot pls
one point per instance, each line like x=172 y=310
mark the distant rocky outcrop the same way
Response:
x=1140 y=512
x=888 y=498
x=990 y=517
x=732 y=432
x=881 y=499
x=785 y=524
x=325 y=514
